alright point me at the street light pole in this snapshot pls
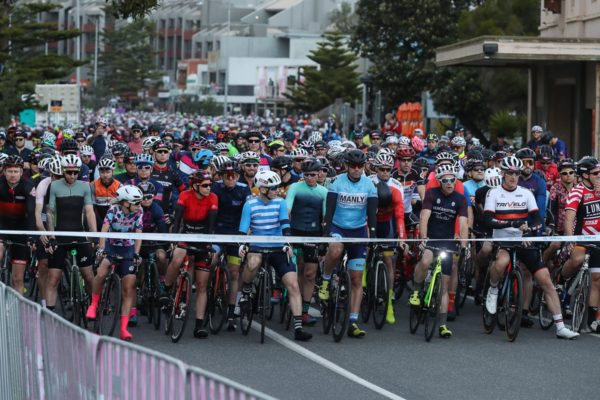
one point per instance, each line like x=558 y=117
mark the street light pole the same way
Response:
x=78 y=57
x=96 y=51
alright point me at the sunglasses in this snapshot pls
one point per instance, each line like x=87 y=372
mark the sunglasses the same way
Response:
x=229 y=175
x=19 y=139
x=145 y=167
x=71 y=173
x=478 y=169
x=162 y=152
x=595 y=173
x=406 y=160
x=299 y=160
x=205 y=185
x=251 y=165
x=325 y=170
x=80 y=140
x=310 y=175
x=565 y=173
x=356 y=166
x=529 y=163
x=512 y=173
x=273 y=188
x=384 y=169
x=148 y=197
x=253 y=141
x=447 y=180
x=134 y=203
x=546 y=162
x=66 y=153
x=105 y=169
x=137 y=131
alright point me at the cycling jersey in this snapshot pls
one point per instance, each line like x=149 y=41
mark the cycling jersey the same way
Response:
x=17 y=205
x=479 y=206
x=390 y=203
x=103 y=196
x=68 y=202
x=459 y=187
x=265 y=163
x=118 y=221
x=307 y=206
x=506 y=206
x=153 y=220
x=264 y=219
x=537 y=185
x=471 y=187
x=42 y=194
x=171 y=183
x=124 y=177
x=158 y=196
x=231 y=203
x=409 y=182
x=351 y=208
x=586 y=203
x=550 y=173
x=195 y=211
x=445 y=211
x=429 y=155
x=558 y=201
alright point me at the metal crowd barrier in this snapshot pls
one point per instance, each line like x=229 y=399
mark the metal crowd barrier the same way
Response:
x=42 y=356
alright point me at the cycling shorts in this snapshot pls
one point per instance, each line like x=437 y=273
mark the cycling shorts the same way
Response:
x=124 y=267
x=308 y=251
x=410 y=220
x=19 y=250
x=357 y=253
x=386 y=230
x=278 y=259
x=531 y=258
x=84 y=257
x=448 y=260
x=202 y=257
x=232 y=254
x=149 y=248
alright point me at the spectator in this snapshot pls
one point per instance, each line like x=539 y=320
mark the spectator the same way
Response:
x=536 y=140
x=558 y=145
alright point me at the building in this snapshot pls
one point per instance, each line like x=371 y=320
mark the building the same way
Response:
x=563 y=65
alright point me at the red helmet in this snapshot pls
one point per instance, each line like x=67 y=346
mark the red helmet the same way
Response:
x=200 y=176
x=405 y=152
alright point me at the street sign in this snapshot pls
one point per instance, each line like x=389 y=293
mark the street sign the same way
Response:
x=55 y=106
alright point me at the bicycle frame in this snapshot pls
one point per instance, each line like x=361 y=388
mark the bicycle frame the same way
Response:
x=437 y=270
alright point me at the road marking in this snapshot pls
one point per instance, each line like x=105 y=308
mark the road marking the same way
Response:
x=326 y=363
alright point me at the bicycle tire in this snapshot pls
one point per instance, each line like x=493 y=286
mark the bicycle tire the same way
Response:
x=544 y=315
x=489 y=320
x=580 y=301
x=326 y=315
x=32 y=286
x=65 y=300
x=432 y=310
x=536 y=299
x=288 y=318
x=366 y=305
x=246 y=317
x=414 y=317
x=283 y=305
x=181 y=306
x=513 y=305
x=218 y=303
x=464 y=279
x=144 y=289
x=154 y=310
x=109 y=309
x=264 y=303
x=341 y=306
x=379 y=299
x=78 y=310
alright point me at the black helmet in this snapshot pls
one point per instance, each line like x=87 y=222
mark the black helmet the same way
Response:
x=586 y=164
x=487 y=154
x=69 y=144
x=474 y=155
x=421 y=162
x=566 y=163
x=545 y=153
x=473 y=163
x=13 y=161
x=228 y=167
x=311 y=165
x=147 y=188
x=34 y=157
x=525 y=152
x=282 y=162
x=355 y=157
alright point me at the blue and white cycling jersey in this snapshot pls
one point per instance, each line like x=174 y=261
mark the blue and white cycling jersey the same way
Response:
x=265 y=219
x=351 y=207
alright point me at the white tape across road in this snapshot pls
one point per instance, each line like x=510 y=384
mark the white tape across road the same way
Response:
x=202 y=238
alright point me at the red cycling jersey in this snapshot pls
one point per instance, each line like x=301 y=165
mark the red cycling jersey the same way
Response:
x=196 y=209
x=586 y=203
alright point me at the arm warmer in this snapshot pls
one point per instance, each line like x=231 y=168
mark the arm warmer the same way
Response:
x=177 y=218
x=372 y=215
x=329 y=211
x=212 y=218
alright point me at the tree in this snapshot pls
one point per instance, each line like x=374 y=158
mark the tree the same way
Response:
x=335 y=77
x=23 y=62
x=400 y=38
x=126 y=65
x=343 y=19
x=131 y=8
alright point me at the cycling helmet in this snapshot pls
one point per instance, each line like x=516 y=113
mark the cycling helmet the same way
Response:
x=444 y=156
x=267 y=178
x=487 y=154
x=161 y=145
x=315 y=137
x=421 y=162
x=586 y=164
x=282 y=162
x=370 y=156
x=200 y=176
x=102 y=121
x=250 y=157
x=149 y=142
x=386 y=150
x=405 y=152
x=54 y=165
x=355 y=157
x=34 y=157
x=129 y=193
x=86 y=150
x=545 y=153
x=106 y=163
x=203 y=157
x=384 y=160
x=311 y=165
x=511 y=163
x=348 y=145
x=404 y=141
x=199 y=143
x=144 y=159
x=321 y=145
x=566 y=163
x=119 y=149
x=307 y=146
x=492 y=177
x=70 y=161
x=525 y=152
x=473 y=163
x=69 y=145
x=13 y=161
x=298 y=153
x=391 y=140
x=459 y=141
x=432 y=137
x=68 y=133
x=474 y=154
x=229 y=167
x=537 y=128
x=3 y=158
x=147 y=188
x=218 y=160
x=222 y=147
x=334 y=151
x=445 y=169
x=278 y=134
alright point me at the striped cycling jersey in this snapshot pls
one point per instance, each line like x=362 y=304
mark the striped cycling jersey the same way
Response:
x=265 y=219
x=514 y=205
x=586 y=203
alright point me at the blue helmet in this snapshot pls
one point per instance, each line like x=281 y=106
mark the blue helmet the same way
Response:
x=203 y=158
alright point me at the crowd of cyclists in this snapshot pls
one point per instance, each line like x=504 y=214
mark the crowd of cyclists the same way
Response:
x=145 y=173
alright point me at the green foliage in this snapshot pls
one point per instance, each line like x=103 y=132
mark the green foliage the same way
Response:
x=400 y=38
x=344 y=19
x=335 y=78
x=507 y=123
x=136 y=9
x=126 y=65
x=23 y=62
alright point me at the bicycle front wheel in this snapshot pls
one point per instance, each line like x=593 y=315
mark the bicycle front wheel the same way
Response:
x=181 y=307
x=489 y=320
x=544 y=315
x=464 y=280
x=513 y=305
x=580 y=302
x=433 y=308
x=217 y=300
x=78 y=306
x=380 y=296
x=154 y=310
x=366 y=304
x=341 y=306
x=110 y=306
x=264 y=303
x=65 y=295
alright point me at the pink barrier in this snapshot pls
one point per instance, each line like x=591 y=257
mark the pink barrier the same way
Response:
x=126 y=371
x=68 y=359
x=204 y=385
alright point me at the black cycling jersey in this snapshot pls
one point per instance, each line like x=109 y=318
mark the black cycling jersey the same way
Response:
x=171 y=183
x=231 y=203
x=17 y=205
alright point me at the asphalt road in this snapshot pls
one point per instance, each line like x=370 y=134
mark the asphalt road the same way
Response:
x=392 y=363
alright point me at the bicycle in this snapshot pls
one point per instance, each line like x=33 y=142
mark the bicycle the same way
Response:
x=109 y=306
x=465 y=276
x=405 y=265
x=375 y=294
x=78 y=296
x=430 y=295
x=260 y=297
x=31 y=277
x=149 y=289
x=336 y=311
x=510 y=295
x=579 y=289
x=217 y=301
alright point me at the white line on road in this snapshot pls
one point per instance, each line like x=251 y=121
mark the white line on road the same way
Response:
x=326 y=363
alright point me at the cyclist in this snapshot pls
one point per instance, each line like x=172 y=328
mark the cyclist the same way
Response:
x=104 y=189
x=164 y=172
x=70 y=147
x=144 y=164
x=351 y=207
x=430 y=151
x=507 y=210
x=267 y=215
x=130 y=169
x=545 y=164
x=298 y=156
x=135 y=142
x=249 y=162
x=390 y=215
x=124 y=217
x=442 y=207
x=195 y=213
x=283 y=167
x=17 y=211
x=458 y=145
x=411 y=181
x=534 y=181
x=253 y=141
x=69 y=199
x=582 y=217
x=306 y=204
x=232 y=196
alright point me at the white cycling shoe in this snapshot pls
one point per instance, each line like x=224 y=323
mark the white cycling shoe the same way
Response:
x=566 y=333
x=491 y=300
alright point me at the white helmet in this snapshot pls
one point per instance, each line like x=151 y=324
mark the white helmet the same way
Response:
x=219 y=160
x=445 y=169
x=386 y=150
x=459 y=141
x=511 y=163
x=391 y=140
x=221 y=147
x=148 y=142
x=315 y=137
x=299 y=153
x=86 y=150
x=492 y=177
x=537 y=128
x=129 y=193
x=70 y=161
x=106 y=162
x=404 y=141
x=267 y=179
x=348 y=144
x=384 y=160
x=54 y=165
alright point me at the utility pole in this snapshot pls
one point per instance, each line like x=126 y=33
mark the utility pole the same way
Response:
x=96 y=51
x=78 y=57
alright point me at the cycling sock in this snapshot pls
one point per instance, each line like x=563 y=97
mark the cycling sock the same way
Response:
x=353 y=317
x=494 y=284
x=593 y=314
x=133 y=312
x=305 y=306
x=124 y=322
x=199 y=323
x=390 y=296
x=443 y=317
x=230 y=311
x=326 y=277
x=597 y=313
x=51 y=308
x=95 y=299
x=451 y=297
x=297 y=322
x=558 y=321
